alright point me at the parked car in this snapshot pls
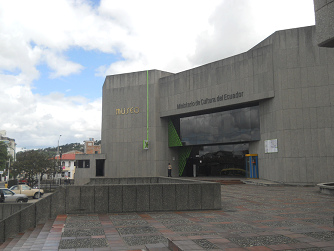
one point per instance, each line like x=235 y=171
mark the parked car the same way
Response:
x=10 y=196
x=27 y=190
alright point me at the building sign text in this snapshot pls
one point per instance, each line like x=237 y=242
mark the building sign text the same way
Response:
x=124 y=111
x=211 y=100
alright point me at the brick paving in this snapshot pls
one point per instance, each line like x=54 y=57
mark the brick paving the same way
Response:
x=252 y=218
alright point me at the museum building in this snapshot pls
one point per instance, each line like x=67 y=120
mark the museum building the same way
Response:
x=271 y=106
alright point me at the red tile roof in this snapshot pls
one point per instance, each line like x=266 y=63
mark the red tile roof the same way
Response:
x=68 y=156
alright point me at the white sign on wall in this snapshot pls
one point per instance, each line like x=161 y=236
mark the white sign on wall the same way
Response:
x=270 y=146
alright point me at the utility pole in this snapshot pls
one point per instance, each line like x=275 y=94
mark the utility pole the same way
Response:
x=58 y=154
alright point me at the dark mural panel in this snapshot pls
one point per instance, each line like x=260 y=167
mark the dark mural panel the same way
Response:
x=218 y=160
x=234 y=126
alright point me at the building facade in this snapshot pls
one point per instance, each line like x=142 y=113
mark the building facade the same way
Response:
x=11 y=145
x=274 y=101
x=67 y=163
x=91 y=148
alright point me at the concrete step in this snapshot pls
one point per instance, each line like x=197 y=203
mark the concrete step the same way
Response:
x=31 y=238
x=180 y=244
x=227 y=182
x=156 y=247
x=20 y=238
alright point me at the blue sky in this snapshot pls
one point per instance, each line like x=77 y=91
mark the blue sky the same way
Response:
x=73 y=85
x=55 y=54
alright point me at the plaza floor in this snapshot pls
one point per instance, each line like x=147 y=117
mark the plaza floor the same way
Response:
x=252 y=217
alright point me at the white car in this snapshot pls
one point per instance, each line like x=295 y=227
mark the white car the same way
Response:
x=10 y=196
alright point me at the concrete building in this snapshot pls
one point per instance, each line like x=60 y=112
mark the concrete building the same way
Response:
x=11 y=145
x=91 y=148
x=274 y=101
x=68 y=163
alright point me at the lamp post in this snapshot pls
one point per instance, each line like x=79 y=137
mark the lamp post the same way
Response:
x=58 y=145
x=58 y=153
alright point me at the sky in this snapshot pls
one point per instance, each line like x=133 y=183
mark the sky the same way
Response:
x=55 y=54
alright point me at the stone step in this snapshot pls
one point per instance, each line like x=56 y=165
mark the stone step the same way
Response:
x=156 y=247
x=227 y=182
x=30 y=237
x=179 y=244
x=20 y=238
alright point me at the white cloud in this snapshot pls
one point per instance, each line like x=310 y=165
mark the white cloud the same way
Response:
x=148 y=34
x=60 y=66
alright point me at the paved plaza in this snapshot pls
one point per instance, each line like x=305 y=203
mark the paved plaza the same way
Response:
x=252 y=217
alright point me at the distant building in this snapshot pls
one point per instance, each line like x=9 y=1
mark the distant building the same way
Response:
x=67 y=162
x=91 y=148
x=11 y=146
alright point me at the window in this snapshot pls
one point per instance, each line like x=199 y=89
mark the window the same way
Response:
x=233 y=126
x=87 y=164
x=80 y=163
x=8 y=192
x=25 y=187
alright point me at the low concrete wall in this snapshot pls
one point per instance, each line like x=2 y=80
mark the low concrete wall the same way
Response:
x=142 y=197
x=125 y=195
x=7 y=209
x=17 y=218
x=138 y=180
x=115 y=195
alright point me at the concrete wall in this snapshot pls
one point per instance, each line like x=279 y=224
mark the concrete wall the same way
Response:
x=7 y=209
x=138 y=180
x=127 y=195
x=287 y=75
x=25 y=216
x=143 y=197
x=300 y=116
x=324 y=19
x=123 y=134
x=82 y=175
x=249 y=73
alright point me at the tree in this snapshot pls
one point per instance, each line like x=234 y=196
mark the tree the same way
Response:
x=3 y=155
x=30 y=163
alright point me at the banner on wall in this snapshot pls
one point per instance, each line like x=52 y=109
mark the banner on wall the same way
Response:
x=270 y=146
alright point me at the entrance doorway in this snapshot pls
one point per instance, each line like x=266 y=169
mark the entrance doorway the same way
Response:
x=217 y=160
x=99 y=167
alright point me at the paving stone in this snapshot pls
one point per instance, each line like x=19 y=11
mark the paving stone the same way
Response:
x=165 y=215
x=262 y=240
x=143 y=240
x=239 y=226
x=187 y=228
x=217 y=219
x=129 y=222
x=203 y=243
x=83 y=224
x=281 y=224
x=82 y=218
x=83 y=232
x=83 y=243
x=176 y=221
x=326 y=235
x=136 y=230
x=124 y=216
